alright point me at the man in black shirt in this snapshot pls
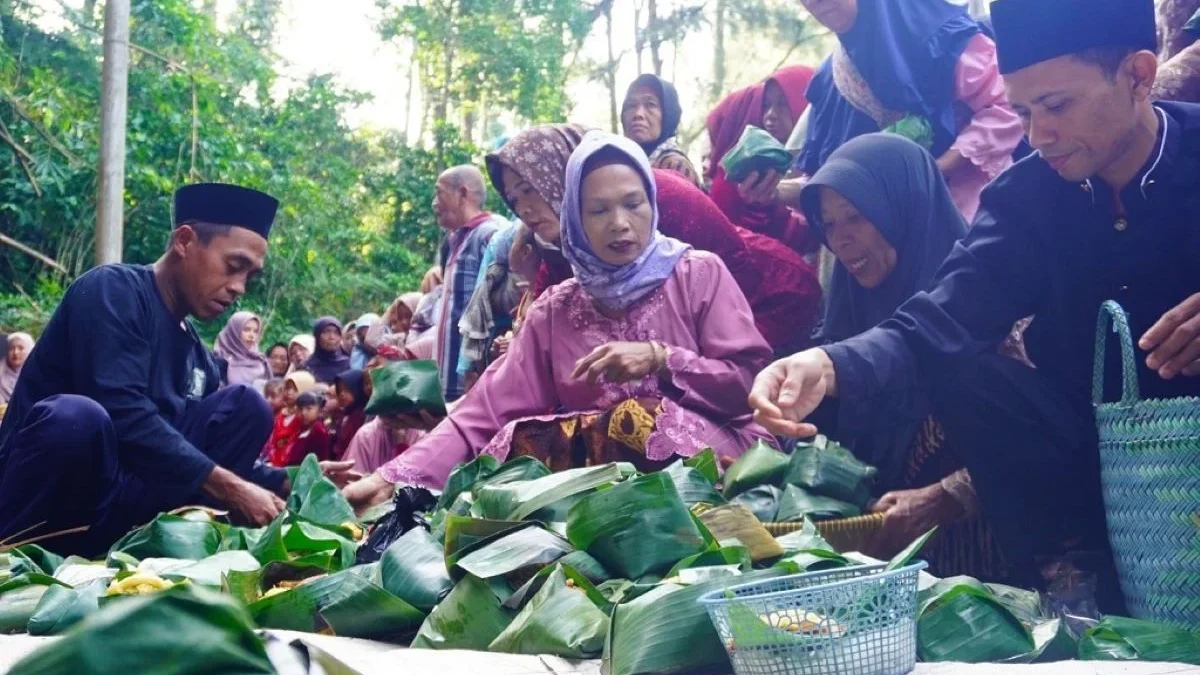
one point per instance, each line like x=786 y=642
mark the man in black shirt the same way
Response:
x=117 y=414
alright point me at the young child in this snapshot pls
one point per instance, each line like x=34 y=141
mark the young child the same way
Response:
x=313 y=438
x=352 y=397
x=273 y=392
x=287 y=422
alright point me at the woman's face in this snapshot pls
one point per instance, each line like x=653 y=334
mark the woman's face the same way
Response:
x=290 y=393
x=349 y=338
x=860 y=247
x=777 y=113
x=298 y=353
x=529 y=205
x=330 y=338
x=278 y=358
x=641 y=116
x=18 y=351
x=345 y=397
x=401 y=318
x=836 y=15
x=250 y=333
x=616 y=212
x=332 y=400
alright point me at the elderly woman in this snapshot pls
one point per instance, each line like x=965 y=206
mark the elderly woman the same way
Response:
x=19 y=346
x=650 y=117
x=300 y=348
x=237 y=346
x=648 y=352
x=780 y=285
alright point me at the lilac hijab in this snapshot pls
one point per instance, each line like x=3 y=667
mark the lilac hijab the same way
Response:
x=614 y=286
x=245 y=364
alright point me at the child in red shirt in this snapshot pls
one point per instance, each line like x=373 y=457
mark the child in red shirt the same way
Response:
x=313 y=438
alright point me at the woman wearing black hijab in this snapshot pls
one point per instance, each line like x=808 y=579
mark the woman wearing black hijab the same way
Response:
x=328 y=359
x=650 y=117
x=883 y=209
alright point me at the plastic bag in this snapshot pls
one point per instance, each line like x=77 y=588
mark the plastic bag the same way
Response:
x=411 y=504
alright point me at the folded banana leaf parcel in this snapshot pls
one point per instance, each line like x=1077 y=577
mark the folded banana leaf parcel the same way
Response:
x=756 y=150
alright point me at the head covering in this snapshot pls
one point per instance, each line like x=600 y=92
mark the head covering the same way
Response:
x=245 y=364
x=8 y=374
x=326 y=364
x=744 y=107
x=907 y=53
x=793 y=80
x=366 y=320
x=305 y=341
x=302 y=380
x=411 y=300
x=538 y=155
x=1032 y=31
x=668 y=101
x=355 y=382
x=615 y=286
x=224 y=204
x=896 y=186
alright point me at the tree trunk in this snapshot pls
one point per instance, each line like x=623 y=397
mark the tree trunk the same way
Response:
x=408 y=94
x=426 y=101
x=448 y=44
x=110 y=198
x=652 y=34
x=611 y=71
x=89 y=12
x=718 y=85
x=639 y=37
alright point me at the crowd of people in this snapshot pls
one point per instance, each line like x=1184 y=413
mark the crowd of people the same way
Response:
x=633 y=308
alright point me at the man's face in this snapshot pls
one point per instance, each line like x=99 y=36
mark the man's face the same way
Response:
x=447 y=204
x=216 y=274
x=1080 y=119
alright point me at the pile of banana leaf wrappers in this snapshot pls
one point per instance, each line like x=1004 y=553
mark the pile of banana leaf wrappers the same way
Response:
x=597 y=562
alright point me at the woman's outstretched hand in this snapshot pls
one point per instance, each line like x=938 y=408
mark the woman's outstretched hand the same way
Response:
x=789 y=390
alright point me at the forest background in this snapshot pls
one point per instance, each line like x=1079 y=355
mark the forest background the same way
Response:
x=212 y=99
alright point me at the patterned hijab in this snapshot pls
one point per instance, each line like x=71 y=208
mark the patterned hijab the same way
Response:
x=613 y=286
x=538 y=155
x=245 y=364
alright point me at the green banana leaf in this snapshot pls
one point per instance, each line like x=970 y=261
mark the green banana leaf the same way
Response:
x=693 y=485
x=464 y=476
x=1118 y=638
x=33 y=558
x=170 y=536
x=579 y=561
x=345 y=602
x=76 y=571
x=941 y=587
x=1026 y=605
x=470 y=617
x=465 y=534
x=737 y=556
x=461 y=507
x=914 y=547
x=637 y=527
x=1052 y=641
x=249 y=587
x=763 y=501
x=756 y=150
x=212 y=569
x=562 y=620
x=826 y=468
x=761 y=464
x=798 y=503
x=308 y=543
x=806 y=539
x=968 y=625
x=316 y=498
x=814 y=560
x=183 y=631
x=413 y=569
x=62 y=607
x=527 y=549
x=667 y=631
x=19 y=597
x=705 y=462
x=521 y=468
x=518 y=500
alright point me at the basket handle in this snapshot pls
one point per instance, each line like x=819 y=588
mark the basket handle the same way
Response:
x=1120 y=325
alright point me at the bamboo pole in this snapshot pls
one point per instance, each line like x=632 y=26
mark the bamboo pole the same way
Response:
x=113 y=101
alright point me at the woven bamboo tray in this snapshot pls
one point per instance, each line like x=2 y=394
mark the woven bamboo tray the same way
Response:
x=844 y=534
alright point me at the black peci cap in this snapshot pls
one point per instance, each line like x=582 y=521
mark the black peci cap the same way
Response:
x=1031 y=31
x=224 y=204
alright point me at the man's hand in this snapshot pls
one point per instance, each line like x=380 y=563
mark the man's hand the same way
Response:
x=760 y=189
x=790 y=389
x=1174 y=341
x=256 y=505
x=433 y=279
x=907 y=514
x=368 y=492
x=617 y=362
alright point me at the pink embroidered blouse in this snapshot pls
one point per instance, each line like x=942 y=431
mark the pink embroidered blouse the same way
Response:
x=714 y=352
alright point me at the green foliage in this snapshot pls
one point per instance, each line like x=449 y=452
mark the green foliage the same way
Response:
x=355 y=227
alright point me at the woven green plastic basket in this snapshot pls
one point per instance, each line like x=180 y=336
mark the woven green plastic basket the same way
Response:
x=1150 y=471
